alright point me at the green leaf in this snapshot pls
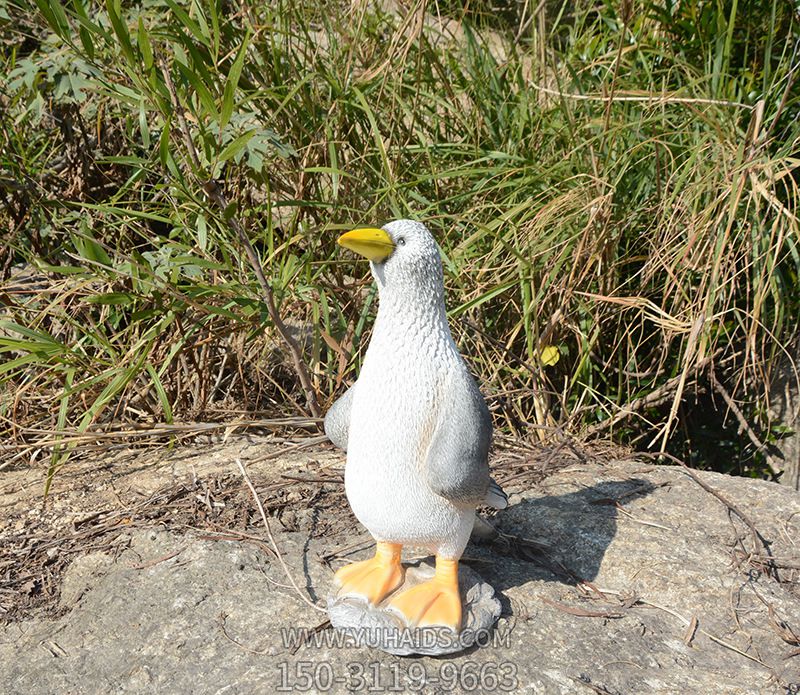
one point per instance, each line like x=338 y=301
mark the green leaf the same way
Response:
x=236 y=146
x=214 y=27
x=161 y=392
x=19 y=362
x=47 y=13
x=143 y=39
x=188 y=22
x=37 y=340
x=89 y=249
x=121 y=30
x=232 y=83
x=144 y=129
x=202 y=232
x=481 y=299
x=55 y=457
x=86 y=41
x=62 y=269
x=126 y=212
x=201 y=89
x=202 y=24
x=163 y=144
x=56 y=16
x=121 y=298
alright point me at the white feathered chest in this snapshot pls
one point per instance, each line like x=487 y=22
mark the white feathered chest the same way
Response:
x=394 y=414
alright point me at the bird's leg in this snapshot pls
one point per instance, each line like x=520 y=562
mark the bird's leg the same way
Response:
x=434 y=602
x=375 y=578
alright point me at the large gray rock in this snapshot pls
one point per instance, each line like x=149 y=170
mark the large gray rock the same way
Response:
x=618 y=578
x=784 y=410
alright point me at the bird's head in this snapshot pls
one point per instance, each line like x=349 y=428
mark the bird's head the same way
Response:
x=403 y=255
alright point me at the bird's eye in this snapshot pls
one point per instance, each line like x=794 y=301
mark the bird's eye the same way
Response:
x=401 y=241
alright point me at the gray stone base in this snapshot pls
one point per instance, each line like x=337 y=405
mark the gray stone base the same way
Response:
x=378 y=627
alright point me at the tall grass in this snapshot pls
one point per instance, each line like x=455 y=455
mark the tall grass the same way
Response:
x=613 y=186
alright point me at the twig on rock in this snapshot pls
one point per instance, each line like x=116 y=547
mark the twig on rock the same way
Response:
x=272 y=539
x=688 y=623
x=221 y=618
x=583 y=679
x=690 y=632
x=158 y=560
x=324 y=625
x=758 y=539
x=582 y=612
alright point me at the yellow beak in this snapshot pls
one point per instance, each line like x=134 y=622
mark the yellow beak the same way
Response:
x=371 y=243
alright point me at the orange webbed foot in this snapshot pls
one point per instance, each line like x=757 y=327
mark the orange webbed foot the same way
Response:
x=436 y=602
x=373 y=579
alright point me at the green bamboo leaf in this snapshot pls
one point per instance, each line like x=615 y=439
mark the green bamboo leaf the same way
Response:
x=121 y=379
x=236 y=146
x=86 y=41
x=163 y=144
x=232 y=83
x=90 y=249
x=212 y=12
x=86 y=23
x=56 y=458
x=56 y=16
x=62 y=269
x=483 y=298
x=376 y=134
x=38 y=339
x=80 y=10
x=144 y=128
x=47 y=13
x=125 y=212
x=113 y=8
x=143 y=39
x=161 y=392
x=201 y=89
x=61 y=17
x=202 y=24
x=202 y=232
x=188 y=22
x=120 y=298
x=10 y=365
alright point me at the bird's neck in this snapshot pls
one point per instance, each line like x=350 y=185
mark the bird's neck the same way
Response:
x=416 y=313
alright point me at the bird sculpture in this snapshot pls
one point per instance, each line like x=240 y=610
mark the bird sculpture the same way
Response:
x=416 y=430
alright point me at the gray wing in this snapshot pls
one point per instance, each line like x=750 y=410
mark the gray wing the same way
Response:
x=337 y=419
x=457 y=464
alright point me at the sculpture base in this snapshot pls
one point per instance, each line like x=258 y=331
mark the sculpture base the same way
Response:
x=375 y=626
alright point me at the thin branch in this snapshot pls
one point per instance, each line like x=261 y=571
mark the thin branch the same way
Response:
x=654 y=398
x=176 y=105
x=770 y=566
x=216 y=195
x=275 y=548
x=744 y=425
x=688 y=623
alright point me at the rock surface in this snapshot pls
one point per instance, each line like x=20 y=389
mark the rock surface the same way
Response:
x=784 y=410
x=616 y=578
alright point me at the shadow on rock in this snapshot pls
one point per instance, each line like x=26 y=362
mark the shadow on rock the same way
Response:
x=559 y=538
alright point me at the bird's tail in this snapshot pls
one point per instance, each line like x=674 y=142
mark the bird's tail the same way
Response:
x=495 y=496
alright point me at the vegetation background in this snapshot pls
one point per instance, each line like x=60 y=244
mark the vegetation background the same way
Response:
x=613 y=185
